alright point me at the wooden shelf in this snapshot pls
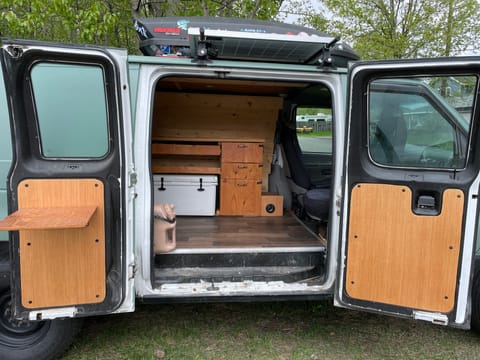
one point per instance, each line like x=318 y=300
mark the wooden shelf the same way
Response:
x=185 y=166
x=186 y=149
x=48 y=218
x=199 y=138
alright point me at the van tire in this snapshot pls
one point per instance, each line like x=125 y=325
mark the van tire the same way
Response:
x=475 y=318
x=40 y=340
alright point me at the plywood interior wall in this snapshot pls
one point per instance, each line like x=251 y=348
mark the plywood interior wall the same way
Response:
x=62 y=267
x=215 y=118
x=397 y=257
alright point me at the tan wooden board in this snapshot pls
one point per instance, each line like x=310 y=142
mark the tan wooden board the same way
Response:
x=240 y=197
x=179 y=165
x=214 y=117
x=172 y=138
x=242 y=152
x=48 y=218
x=185 y=149
x=63 y=267
x=228 y=86
x=272 y=199
x=242 y=171
x=397 y=257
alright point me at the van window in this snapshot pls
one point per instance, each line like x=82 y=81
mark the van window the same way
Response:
x=314 y=134
x=71 y=110
x=314 y=129
x=420 y=122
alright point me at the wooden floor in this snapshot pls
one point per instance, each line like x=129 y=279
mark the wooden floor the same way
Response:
x=243 y=232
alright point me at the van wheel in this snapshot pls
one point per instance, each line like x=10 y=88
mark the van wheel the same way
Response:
x=33 y=339
x=475 y=318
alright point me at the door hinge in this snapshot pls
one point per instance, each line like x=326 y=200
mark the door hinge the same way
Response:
x=132 y=179
x=434 y=318
x=132 y=270
x=15 y=51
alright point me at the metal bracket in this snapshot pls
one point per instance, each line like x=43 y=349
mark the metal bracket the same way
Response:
x=50 y=314
x=132 y=269
x=434 y=318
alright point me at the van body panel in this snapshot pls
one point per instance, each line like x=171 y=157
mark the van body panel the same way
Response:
x=49 y=162
x=385 y=215
x=5 y=153
x=139 y=85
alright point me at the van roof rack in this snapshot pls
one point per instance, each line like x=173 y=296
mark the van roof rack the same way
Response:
x=240 y=39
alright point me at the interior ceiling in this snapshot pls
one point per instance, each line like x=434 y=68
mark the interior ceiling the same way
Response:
x=222 y=86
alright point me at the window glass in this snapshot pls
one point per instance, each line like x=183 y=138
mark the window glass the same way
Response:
x=71 y=110
x=420 y=122
x=314 y=129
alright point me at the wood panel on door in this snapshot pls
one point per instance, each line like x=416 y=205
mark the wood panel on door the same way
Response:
x=397 y=257
x=61 y=267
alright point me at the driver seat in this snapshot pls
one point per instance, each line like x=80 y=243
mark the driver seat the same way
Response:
x=390 y=137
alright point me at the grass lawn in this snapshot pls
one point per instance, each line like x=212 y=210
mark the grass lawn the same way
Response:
x=315 y=133
x=290 y=330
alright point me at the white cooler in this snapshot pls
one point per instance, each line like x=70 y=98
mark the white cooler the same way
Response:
x=191 y=194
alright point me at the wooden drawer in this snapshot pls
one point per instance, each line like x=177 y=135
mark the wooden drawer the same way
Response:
x=240 y=197
x=242 y=152
x=242 y=171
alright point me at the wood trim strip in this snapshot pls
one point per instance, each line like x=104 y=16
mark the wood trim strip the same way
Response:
x=185 y=149
x=186 y=166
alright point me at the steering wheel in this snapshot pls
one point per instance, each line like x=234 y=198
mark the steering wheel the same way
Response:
x=432 y=156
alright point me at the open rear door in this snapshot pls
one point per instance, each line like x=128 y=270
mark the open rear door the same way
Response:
x=67 y=189
x=411 y=189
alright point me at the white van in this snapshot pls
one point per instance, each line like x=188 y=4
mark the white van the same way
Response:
x=378 y=213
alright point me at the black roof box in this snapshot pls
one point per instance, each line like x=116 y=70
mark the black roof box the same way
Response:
x=239 y=39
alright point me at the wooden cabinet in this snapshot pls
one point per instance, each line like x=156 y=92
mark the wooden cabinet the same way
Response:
x=194 y=158
x=241 y=178
x=241 y=152
x=242 y=171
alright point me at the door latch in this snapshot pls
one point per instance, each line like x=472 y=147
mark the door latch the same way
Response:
x=426 y=202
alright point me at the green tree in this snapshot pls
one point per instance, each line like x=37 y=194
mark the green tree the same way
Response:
x=459 y=27
x=72 y=21
x=395 y=29
x=253 y=9
x=110 y=22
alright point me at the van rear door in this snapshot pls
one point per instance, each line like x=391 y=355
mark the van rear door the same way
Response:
x=411 y=189
x=68 y=194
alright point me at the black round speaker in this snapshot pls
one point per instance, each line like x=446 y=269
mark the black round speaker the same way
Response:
x=270 y=208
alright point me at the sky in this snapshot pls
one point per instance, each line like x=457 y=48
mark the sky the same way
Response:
x=291 y=18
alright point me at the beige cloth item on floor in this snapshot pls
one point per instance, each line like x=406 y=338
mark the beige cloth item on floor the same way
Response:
x=164 y=228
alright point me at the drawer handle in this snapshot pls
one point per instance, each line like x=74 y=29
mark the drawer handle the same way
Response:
x=242 y=185
x=243 y=166
x=242 y=146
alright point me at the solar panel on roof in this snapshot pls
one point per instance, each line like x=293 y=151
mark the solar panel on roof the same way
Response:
x=239 y=39
x=254 y=46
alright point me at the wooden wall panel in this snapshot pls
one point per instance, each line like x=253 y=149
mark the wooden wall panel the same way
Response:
x=214 y=117
x=397 y=257
x=63 y=267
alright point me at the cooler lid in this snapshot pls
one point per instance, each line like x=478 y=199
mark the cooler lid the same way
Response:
x=186 y=180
